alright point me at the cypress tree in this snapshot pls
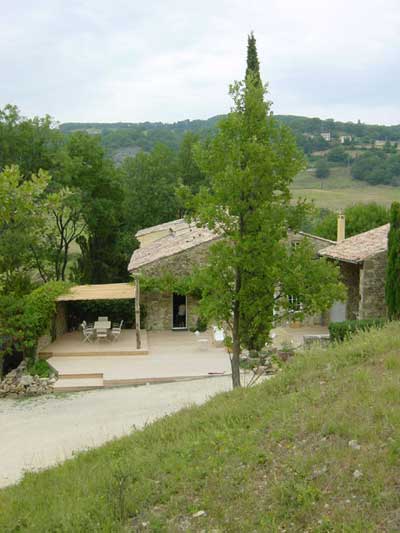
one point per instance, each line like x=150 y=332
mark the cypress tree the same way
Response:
x=392 y=289
x=253 y=65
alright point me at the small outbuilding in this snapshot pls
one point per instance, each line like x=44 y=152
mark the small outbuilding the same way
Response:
x=363 y=263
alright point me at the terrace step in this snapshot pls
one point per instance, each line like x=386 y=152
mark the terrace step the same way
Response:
x=78 y=383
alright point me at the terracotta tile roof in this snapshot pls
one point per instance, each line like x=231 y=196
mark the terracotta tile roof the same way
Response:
x=360 y=247
x=185 y=237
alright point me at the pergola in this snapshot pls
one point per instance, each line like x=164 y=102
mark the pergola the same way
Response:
x=108 y=291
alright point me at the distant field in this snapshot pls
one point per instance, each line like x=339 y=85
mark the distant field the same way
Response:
x=340 y=190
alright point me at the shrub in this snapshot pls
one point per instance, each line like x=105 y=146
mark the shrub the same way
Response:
x=40 y=368
x=23 y=319
x=340 y=331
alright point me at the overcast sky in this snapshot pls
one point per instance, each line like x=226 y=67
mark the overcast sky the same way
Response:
x=169 y=60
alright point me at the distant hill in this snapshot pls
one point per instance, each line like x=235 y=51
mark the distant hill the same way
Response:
x=124 y=138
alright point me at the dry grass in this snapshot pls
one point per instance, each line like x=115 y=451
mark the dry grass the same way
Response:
x=315 y=449
x=339 y=190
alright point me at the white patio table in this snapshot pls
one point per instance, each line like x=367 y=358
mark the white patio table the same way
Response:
x=102 y=324
x=102 y=328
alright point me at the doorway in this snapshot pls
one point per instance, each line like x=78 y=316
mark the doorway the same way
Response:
x=338 y=312
x=179 y=311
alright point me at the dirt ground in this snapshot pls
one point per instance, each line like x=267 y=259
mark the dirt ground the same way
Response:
x=40 y=432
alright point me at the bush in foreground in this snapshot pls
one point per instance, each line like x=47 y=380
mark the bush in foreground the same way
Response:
x=316 y=448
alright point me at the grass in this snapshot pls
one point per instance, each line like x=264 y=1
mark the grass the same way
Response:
x=339 y=190
x=273 y=458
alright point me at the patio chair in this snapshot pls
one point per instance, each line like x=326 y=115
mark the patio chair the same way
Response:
x=116 y=331
x=88 y=332
x=103 y=319
x=101 y=334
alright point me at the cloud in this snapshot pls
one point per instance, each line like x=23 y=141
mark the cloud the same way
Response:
x=167 y=60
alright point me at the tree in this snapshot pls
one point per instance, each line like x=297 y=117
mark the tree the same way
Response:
x=62 y=225
x=86 y=169
x=322 y=169
x=189 y=171
x=251 y=163
x=150 y=182
x=359 y=218
x=21 y=222
x=392 y=289
x=338 y=155
x=253 y=65
x=32 y=144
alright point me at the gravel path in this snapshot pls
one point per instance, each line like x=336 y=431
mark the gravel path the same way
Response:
x=40 y=432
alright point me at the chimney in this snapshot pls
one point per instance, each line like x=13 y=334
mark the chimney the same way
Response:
x=341 y=228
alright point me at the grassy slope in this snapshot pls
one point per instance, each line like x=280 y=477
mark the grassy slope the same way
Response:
x=272 y=458
x=339 y=190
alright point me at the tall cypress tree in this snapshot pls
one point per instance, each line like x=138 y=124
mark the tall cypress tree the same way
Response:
x=253 y=65
x=392 y=289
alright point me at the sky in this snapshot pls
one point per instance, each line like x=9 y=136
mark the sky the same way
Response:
x=170 y=60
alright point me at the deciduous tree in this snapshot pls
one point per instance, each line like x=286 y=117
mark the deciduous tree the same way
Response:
x=250 y=163
x=392 y=290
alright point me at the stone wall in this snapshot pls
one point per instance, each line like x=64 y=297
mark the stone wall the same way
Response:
x=372 y=287
x=350 y=274
x=159 y=306
x=180 y=264
x=159 y=310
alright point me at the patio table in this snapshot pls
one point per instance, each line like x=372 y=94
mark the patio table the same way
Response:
x=102 y=324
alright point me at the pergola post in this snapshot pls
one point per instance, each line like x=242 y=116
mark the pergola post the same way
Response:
x=137 y=313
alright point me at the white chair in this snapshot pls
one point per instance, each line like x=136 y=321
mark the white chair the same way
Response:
x=116 y=331
x=103 y=319
x=88 y=332
x=101 y=334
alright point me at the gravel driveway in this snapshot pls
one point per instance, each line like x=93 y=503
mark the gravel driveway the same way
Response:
x=40 y=432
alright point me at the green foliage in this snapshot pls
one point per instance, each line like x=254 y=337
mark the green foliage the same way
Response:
x=359 y=218
x=22 y=214
x=322 y=169
x=314 y=283
x=253 y=64
x=40 y=308
x=23 y=319
x=377 y=167
x=103 y=256
x=189 y=171
x=341 y=331
x=267 y=458
x=90 y=310
x=392 y=288
x=32 y=144
x=39 y=367
x=338 y=155
x=251 y=162
x=169 y=283
x=150 y=181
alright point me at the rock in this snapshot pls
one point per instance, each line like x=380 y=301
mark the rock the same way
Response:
x=354 y=444
x=17 y=383
x=357 y=474
x=26 y=380
x=199 y=514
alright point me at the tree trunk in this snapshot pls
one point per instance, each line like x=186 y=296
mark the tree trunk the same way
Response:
x=235 y=359
x=137 y=313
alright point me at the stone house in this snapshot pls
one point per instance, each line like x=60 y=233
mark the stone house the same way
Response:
x=176 y=247
x=363 y=261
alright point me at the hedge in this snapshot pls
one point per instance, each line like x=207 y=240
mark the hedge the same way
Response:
x=340 y=331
